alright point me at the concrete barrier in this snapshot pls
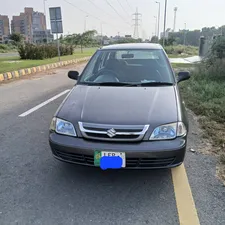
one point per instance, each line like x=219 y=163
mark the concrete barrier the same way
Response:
x=29 y=71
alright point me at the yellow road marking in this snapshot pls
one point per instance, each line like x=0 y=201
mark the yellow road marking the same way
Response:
x=185 y=203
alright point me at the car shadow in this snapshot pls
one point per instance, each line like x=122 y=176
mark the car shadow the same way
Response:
x=125 y=180
x=131 y=195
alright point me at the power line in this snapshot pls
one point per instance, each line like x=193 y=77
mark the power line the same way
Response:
x=123 y=7
x=115 y=11
x=129 y=5
x=82 y=10
x=107 y=12
x=87 y=13
x=99 y=8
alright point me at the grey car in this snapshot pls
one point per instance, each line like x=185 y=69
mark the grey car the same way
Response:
x=126 y=105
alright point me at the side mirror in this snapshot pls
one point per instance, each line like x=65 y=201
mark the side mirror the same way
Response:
x=183 y=76
x=73 y=75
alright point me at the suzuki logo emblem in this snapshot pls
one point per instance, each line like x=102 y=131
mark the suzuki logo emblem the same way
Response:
x=111 y=133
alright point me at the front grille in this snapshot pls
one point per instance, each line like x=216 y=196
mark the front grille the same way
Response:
x=106 y=132
x=75 y=158
x=118 y=137
x=149 y=162
x=130 y=162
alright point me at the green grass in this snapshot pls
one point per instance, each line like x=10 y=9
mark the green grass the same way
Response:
x=204 y=94
x=6 y=66
x=178 y=56
x=181 y=51
x=182 y=65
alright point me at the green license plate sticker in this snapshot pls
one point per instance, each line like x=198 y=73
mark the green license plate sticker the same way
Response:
x=97 y=158
x=99 y=154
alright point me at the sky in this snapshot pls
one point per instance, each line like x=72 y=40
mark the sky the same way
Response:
x=195 y=13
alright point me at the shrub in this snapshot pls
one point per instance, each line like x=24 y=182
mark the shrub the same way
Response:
x=204 y=92
x=217 y=52
x=7 y=48
x=181 y=49
x=31 y=51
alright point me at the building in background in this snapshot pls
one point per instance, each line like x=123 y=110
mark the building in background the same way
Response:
x=4 y=29
x=42 y=36
x=31 y=25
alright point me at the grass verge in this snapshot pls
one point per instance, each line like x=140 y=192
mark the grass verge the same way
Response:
x=181 y=51
x=8 y=64
x=204 y=94
x=182 y=65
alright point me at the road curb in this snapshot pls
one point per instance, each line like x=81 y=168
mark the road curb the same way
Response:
x=29 y=71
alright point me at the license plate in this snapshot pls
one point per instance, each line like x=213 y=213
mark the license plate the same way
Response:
x=99 y=154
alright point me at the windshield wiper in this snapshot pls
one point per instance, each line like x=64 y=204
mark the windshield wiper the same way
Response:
x=152 y=84
x=119 y=84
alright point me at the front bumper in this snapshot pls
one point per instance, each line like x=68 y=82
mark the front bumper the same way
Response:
x=140 y=155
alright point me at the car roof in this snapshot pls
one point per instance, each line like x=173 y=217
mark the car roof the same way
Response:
x=132 y=46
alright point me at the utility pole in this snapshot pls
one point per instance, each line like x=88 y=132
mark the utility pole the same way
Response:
x=164 y=29
x=136 y=24
x=101 y=36
x=185 y=34
x=46 y=30
x=158 y=19
x=155 y=25
x=175 y=17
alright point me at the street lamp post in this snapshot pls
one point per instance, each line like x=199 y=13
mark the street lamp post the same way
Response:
x=85 y=23
x=158 y=19
x=164 y=29
x=46 y=31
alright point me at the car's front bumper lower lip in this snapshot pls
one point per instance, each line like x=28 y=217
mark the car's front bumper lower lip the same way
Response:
x=140 y=155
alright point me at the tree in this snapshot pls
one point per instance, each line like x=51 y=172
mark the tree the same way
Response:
x=61 y=38
x=218 y=48
x=154 y=39
x=170 y=41
x=16 y=37
x=84 y=39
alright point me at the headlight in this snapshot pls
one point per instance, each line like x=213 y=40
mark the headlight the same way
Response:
x=169 y=131
x=62 y=127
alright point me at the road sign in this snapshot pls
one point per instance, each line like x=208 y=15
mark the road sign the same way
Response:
x=56 y=23
x=55 y=13
x=56 y=20
x=56 y=27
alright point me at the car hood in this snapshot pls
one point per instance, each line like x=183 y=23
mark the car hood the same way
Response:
x=120 y=105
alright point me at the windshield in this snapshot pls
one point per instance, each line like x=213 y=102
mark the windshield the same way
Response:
x=128 y=67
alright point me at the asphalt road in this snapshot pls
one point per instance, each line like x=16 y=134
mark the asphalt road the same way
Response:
x=37 y=189
x=8 y=54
